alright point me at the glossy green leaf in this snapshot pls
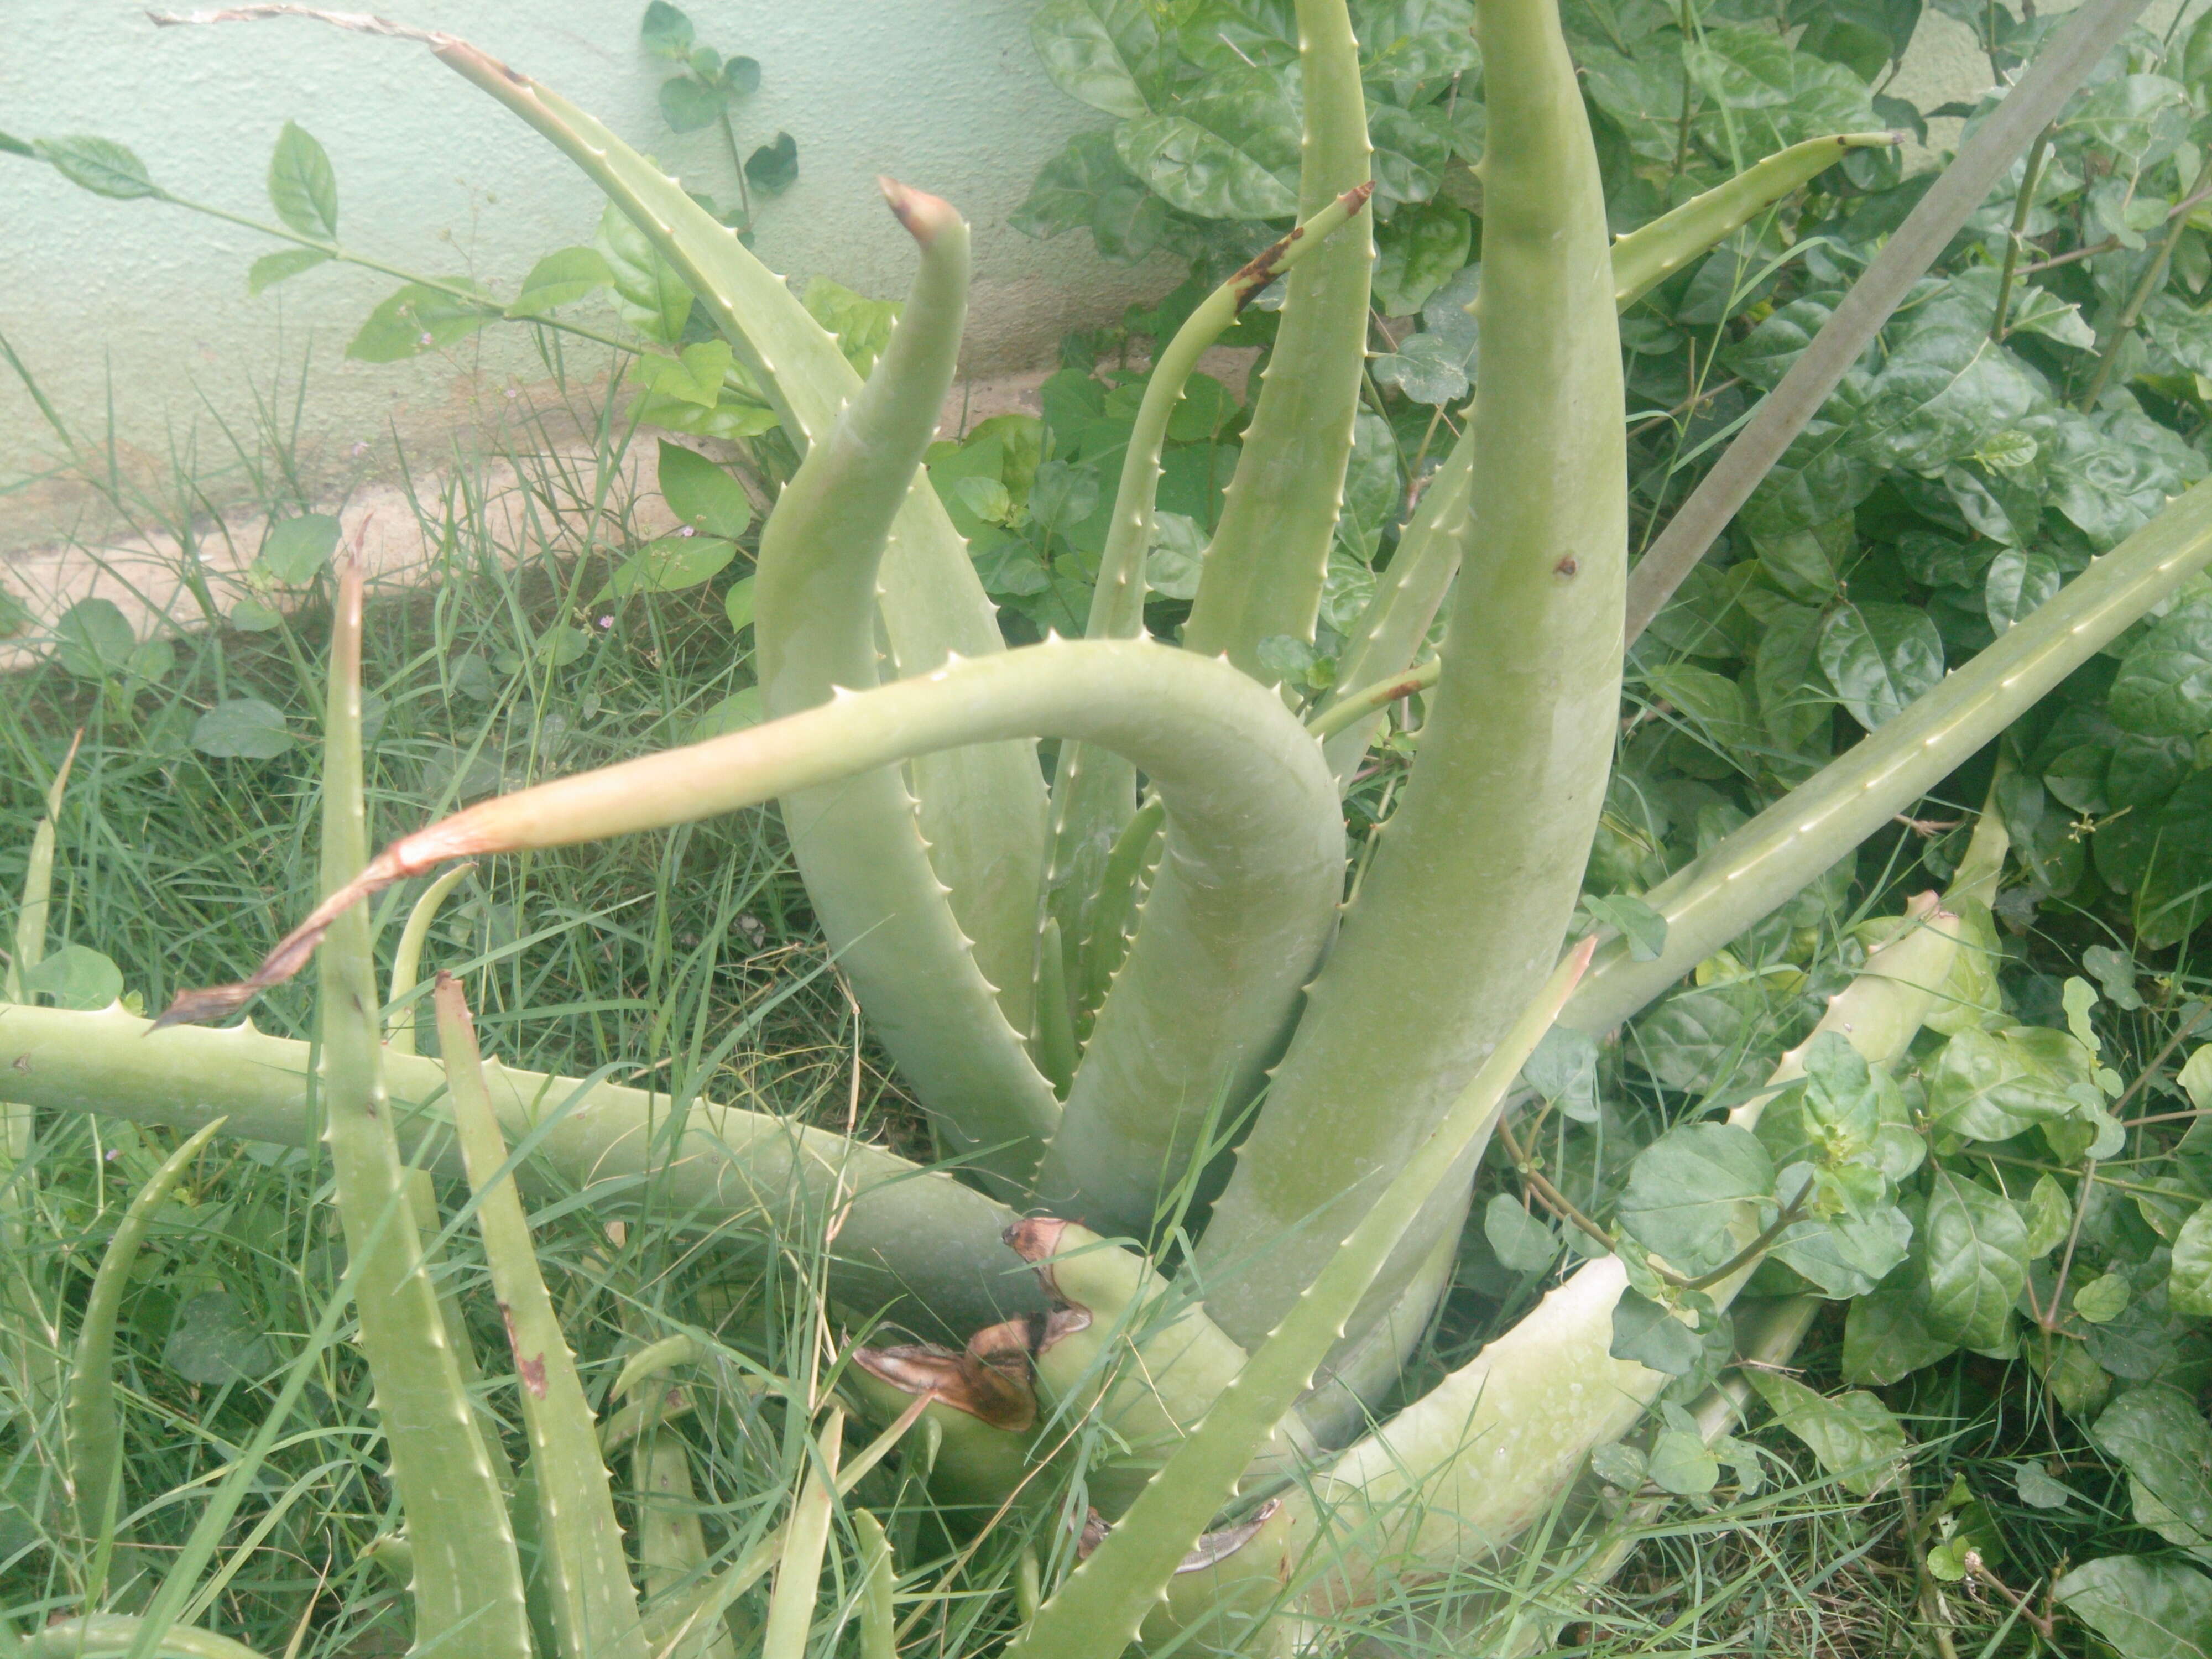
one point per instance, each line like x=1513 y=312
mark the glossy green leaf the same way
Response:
x=1680 y=1462
x=1691 y=1191
x=2164 y=688
x=733 y=713
x=695 y=376
x=271 y=269
x=2019 y=582
x=2158 y=1435
x=296 y=550
x=214 y=1341
x=1976 y=1262
x=1879 y=657
x=688 y=105
x=75 y=976
x=562 y=277
x=1229 y=153
x=1102 y=52
x=99 y=165
x=648 y=293
x=1993 y=1086
x=1646 y=1332
x=1852 y=1434
x=1885 y=1335
x=302 y=188
x=419 y=318
x=2189 y=1283
x=242 y=728
x=2145 y=1608
x=665 y=31
x=702 y=494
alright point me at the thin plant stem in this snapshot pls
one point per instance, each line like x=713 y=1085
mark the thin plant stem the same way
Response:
x=2030 y=178
x=2152 y=280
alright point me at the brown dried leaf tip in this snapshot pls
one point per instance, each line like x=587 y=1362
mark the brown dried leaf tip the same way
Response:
x=1212 y=1549
x=926 y=217
x=990 y=1380
x=1263 y=267
x=1037 y=1240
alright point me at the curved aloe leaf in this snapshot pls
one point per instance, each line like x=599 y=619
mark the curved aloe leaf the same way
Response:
x=407 y=959
x=1263 y=571
x=96 y=1443
x=799 y=1573
x=594 y=1605
x=1097 y=1610
x=1715 y=897
x=467 y=1577
x=982 y=808
x=858 y=841
x=1238 y=914
x=1462 y=908
x=1649 y=254
x=1094 y=793
x=879 y=1576
x=1459 y=1473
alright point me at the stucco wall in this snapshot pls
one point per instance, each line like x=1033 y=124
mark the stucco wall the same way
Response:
x=150 y=303
x=434 y=176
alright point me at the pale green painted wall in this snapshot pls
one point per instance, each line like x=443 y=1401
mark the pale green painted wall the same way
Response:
x=946 y=93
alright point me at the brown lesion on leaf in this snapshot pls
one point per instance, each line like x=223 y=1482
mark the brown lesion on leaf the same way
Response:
x=1266 y=265
x=1037 y=1240
x=532 y=1371
x=991 y=1379
x=1212 y=1550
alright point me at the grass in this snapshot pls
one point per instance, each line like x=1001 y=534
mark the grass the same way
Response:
x=641 y=957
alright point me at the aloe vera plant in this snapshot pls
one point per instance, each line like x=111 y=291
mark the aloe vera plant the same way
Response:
x=1189 y=1211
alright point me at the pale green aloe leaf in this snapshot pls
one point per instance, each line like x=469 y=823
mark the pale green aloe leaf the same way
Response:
x=594 y=1605
x=407 y=959
x=96 y=1444
x=807 y=1535
x=1748 y=874
x=467 y=1575
x=1096 y=1612
x=1263 y=572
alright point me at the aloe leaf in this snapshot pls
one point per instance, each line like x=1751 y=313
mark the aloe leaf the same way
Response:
x=407 y=959
x=977 y=1406
x=112 y=1635
x=1130 y=865
x=1460 y=912
x=1388 y=634
x=858 y=841
x=913 y=1241
x=799 y=1573
x=29 y=1332
x=594 y=1607
x=982 y=808
x=95 y=1442
x=1715 y=897
x=466 y=1574
x=1459 y=1473
x=671 y=1546
x=1649 y=254
x=655 y=1358
x=1096 y=1612
x=1238 y=914
x=1263 y=571
x=878 y=1576
x=1094 y=793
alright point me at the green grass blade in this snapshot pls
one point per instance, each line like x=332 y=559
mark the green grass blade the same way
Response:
x=1262 y=575
x=959 y=1036
x=1467 y=898
x=1129 y=867
x=407 y=960
x=468 y=1584
x=95 y=1439
x=1713 y=898
x=595 y=1607
x=37 y=885
x=1098 y=1611
x=799 y=1570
